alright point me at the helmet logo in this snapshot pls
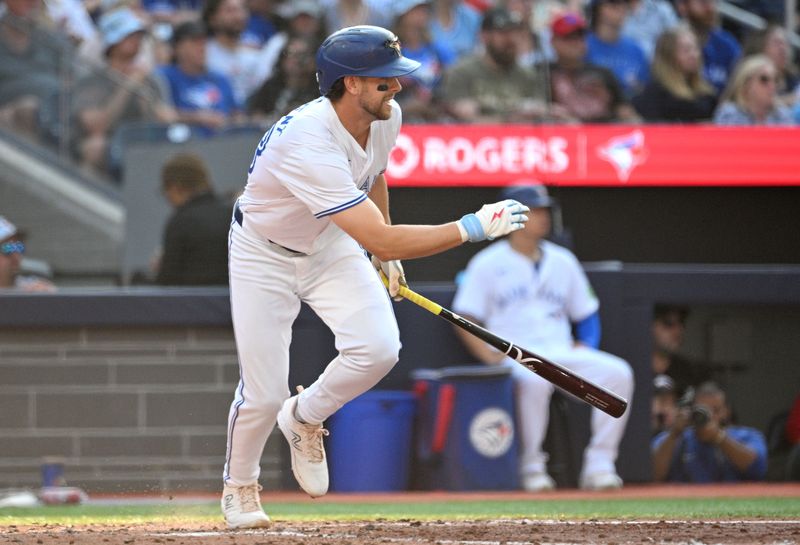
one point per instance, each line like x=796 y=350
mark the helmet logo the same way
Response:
x=394 y=43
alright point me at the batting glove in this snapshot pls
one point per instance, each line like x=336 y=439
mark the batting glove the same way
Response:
x=493 y=220
x=394 y=272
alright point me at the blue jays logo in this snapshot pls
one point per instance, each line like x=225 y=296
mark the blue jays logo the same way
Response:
x=624 y=153
x=491 y=432
x=394 y=43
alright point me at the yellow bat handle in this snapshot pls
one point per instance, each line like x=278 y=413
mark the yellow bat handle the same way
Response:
x=414 y=297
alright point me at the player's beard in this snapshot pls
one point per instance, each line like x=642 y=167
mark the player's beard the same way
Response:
x=381 y=110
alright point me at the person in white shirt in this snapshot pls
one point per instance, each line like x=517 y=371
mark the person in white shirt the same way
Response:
x=225 y=52
x=315 y=200
x=533 y=292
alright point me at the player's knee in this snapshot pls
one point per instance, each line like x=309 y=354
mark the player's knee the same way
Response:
x=624 y=376
x=383 y=352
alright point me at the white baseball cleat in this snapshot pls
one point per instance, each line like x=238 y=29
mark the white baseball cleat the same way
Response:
x=601 y=481
x=538 y=482
x=309 y=465
x=241 y=506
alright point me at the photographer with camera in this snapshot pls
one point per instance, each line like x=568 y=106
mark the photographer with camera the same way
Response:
x=700 y=447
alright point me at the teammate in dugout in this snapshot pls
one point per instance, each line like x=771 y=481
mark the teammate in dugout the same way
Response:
x=315 y=200
x=531 y=292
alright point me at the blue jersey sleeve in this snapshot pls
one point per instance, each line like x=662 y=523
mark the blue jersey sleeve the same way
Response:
x=588 y=330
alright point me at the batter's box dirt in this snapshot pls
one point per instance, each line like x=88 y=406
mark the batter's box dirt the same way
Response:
x=483 y=532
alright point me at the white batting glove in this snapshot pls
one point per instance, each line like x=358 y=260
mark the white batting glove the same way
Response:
x=493 y=220
x=394 y=272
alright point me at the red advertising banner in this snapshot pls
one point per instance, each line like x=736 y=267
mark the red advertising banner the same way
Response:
x=595 y=155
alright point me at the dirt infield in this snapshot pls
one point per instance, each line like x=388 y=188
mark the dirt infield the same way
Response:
x=499 y=532
x=441 y=532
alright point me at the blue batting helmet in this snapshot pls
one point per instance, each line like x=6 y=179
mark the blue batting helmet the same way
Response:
x=361 y=51
x=533 y=195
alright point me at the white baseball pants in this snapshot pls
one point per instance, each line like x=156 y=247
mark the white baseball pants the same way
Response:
x=533 y=407
x=267 y=287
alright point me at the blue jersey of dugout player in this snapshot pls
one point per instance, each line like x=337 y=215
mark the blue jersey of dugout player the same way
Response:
x=316 y=198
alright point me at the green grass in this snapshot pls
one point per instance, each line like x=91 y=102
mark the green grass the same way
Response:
x=676 y=509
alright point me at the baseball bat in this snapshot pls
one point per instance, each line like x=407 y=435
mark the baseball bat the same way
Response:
x=594 y=395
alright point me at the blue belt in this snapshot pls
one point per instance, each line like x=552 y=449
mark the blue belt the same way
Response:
x=238 y=216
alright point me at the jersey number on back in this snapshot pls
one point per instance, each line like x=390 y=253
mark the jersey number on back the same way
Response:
x=278 y=126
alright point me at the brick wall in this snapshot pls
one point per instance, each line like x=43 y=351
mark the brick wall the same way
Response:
x=128 y=409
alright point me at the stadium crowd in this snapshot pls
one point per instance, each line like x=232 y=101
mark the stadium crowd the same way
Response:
x=80 y=70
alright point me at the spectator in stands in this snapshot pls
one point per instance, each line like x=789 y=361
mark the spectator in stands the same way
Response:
x=32 y=62
x=125 y=92
x=303 y=19
x=668 y=330
x=226 y=20
x=490 y=87
x=72 y=18
x=195 y=249
x=701 y=446
x=293 y=84
x=664 y=404
x=721 y=51
x=607 y=47
x=345 y=13
x=12 y=249
x=456 y=23
x=532 y=292
x=412 y=27
x=202 y=98
x=773 y=42
x=155 y=47
x=261 y=23
x=678 y=92
x=646 y=21
x=751 y=97
x=589 y=93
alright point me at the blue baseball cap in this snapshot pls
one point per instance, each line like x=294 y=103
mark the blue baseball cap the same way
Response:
x=117 y=25
x=534 y=196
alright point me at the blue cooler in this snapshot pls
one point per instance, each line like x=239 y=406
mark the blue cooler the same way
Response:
x=369 y=447
x=466 y=437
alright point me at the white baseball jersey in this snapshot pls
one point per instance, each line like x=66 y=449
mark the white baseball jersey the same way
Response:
x=314 y=168
x=305 y=169
x=531 y=305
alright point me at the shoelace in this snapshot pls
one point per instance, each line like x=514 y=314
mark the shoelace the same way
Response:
x=248 y=498
x=312 y=441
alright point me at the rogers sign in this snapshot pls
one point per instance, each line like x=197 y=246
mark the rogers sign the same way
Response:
x=600 y=155
x=488 y=155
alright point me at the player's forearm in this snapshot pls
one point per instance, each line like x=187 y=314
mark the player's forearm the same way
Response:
x=412 y=241
x=366 y=224
x=379 y=194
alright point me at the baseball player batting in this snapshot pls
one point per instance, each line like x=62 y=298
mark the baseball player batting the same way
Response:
x=315 y=198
